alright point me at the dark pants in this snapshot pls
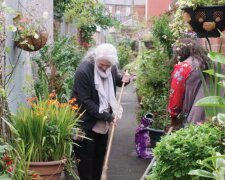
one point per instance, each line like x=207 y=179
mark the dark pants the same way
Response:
x=90 y=155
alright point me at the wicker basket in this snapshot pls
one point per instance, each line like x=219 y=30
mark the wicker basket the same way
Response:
x=33 y=44
x=205 y=20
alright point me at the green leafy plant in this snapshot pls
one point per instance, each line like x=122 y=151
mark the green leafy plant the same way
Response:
x=176 y=154
x=195 y=3
x=124 y=53
x=87 y=15
x=152 y=85
x=215 y=166
x=46 y=128
x=162 y=31
x=148 y=37
x=59 y=9
x=6 y=162
x=57 y=63
x=26 y=26
x=214 y=102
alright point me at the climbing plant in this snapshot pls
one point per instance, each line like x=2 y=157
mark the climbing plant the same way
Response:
x=59 y=9
x=162 y=31
x=4 y=80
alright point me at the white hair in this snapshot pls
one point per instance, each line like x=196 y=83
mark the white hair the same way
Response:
x=103 y=51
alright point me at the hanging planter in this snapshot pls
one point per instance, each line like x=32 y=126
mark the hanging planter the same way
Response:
x=32 y=43
x=205 y=20
x=30 y=33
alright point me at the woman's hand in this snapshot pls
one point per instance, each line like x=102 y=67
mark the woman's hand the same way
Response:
x=114 y=122
x=126 y=78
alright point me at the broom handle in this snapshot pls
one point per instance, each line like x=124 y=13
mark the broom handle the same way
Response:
x=105 y=166
x=153 y=160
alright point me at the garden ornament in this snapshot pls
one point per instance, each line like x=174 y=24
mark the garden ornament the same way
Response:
x=142 y=138
x=205 y=20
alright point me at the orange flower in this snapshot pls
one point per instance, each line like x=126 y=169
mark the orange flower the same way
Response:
x=63 y=105
x=53 y=94
x=53 y=102
x=71 y=101
x=35 y=176
x=75 y=107
x=32 y=99
x=39 y=113
x=21 y=28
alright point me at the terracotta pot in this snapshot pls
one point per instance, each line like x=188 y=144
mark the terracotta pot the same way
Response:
x=31 y=41
x=48 y=170
x=205 y=20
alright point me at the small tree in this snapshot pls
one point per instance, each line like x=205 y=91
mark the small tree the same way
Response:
x=87 y=15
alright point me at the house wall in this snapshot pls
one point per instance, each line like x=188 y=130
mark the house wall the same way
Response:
x=157 y=7
x=123 y=12
x=20 y=85
x=216 y=44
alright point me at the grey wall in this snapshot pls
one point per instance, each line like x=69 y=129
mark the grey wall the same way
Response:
x=20 y=86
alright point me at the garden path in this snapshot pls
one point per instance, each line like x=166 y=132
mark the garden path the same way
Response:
x=124 y=163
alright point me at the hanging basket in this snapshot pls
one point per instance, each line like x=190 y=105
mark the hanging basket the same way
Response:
x=205 y=20
x=32 y=44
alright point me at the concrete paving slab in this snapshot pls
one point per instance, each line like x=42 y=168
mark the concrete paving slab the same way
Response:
x=124 y=163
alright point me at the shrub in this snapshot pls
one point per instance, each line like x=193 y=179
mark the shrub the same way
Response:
x=152 y=84
x=57 y=62
x=177 y=153
x=163 y=33
x=124 y=54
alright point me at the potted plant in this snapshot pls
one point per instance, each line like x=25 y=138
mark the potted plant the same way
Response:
x=30 y=34
x=148 y=41
x=46 y=131
x=205 y=17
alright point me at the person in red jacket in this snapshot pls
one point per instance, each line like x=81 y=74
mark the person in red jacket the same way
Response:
x=189 y=59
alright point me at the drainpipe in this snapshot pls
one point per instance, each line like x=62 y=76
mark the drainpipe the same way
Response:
x=146 y=9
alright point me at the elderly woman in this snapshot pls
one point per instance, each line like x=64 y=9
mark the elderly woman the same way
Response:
x=94 y=88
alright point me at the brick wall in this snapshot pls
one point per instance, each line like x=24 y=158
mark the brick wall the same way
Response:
x=216 y=44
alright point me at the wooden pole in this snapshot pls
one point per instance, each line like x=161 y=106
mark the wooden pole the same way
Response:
x=105 y=166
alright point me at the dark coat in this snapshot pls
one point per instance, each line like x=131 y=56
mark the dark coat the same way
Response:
x=87 y=96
